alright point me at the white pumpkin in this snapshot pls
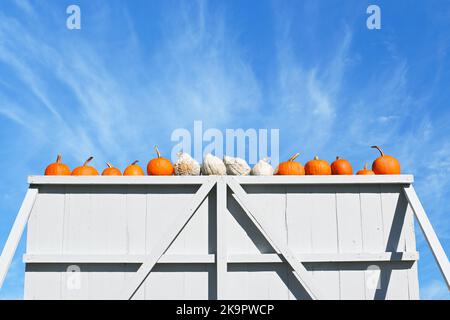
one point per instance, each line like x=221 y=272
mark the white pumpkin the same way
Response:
x=262 y=168
x=186 y=165
x=213 y=166
x=236 y=166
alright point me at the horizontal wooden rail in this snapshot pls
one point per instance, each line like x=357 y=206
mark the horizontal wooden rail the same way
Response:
x=244 y=180
x=232 y=258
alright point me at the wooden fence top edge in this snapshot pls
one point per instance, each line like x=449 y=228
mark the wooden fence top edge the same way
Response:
x=198 y=180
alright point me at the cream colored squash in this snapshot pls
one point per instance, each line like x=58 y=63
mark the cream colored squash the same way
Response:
x=186 y=165
x=236 y=166
x=262 y=168
x=213 y=166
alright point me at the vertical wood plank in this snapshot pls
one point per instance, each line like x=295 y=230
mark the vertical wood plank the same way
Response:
x=299 y=213
x=238 y=282
x=372 y=218
x=108 y=235
x=394 y=206
x=352 y=281
x=221 y=233
x=77 y=220
x=136 y=213
x=45 y=231
x=372 y=230
x=324 y=238
x=43 y=282
x=196 y=282
x=196 y=241
x=258 y=281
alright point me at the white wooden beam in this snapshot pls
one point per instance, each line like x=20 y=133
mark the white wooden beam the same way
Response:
x=231 y=258
x=115 y=258
x=332 y=179
x=428 y=231
x=16 y=233
x=326 y=257
x=118 y=180
x=164 y=243
x=196 y=180
x=300 y=271
x=221 y=240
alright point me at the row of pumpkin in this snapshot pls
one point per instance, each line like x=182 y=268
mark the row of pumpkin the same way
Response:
x=186 y=165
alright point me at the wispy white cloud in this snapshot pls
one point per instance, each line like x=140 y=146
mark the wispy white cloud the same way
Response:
x=306 y=97
x=197 y=73
x=25 y=5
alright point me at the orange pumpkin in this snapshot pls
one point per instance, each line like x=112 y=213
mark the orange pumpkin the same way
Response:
x=291 y=167
x=85 y=169
x=365 y=171
x=317 y=167
x=133 y=170
x=341 y=167
x=385 y=164
x=111 y=171
x=159 y=166
x=57 y=168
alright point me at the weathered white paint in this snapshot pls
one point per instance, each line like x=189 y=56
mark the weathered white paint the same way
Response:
x=334 y=227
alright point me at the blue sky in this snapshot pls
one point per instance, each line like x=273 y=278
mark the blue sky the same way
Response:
x=139 y=69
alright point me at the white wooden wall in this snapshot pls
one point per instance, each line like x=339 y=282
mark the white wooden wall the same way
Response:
x=338 y=225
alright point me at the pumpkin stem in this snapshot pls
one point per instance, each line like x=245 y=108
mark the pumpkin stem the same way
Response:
x=58 y=158
x=338 y=158
x=136 y=161
x=365 y=166
x=293 y=157
x=316 y=158
x=157 y=152
x=379 y=149
x=109 y=165
x=87 y=161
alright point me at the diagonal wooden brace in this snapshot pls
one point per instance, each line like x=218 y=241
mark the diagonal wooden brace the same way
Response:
x=428 y=231
x=300 y=271
x=169 y=237
x=16 y=232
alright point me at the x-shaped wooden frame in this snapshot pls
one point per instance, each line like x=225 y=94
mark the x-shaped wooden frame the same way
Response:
x=183 y=218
